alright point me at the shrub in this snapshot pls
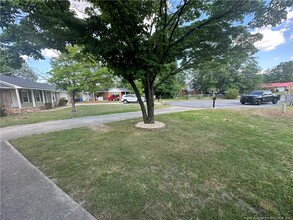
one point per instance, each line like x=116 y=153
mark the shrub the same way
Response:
x=232 y=94
x=48 y=105
x=2 y=111
x=63 y=102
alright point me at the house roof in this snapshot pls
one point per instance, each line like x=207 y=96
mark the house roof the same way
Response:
x=271 y=85
x=3 y=86
x=17 y=82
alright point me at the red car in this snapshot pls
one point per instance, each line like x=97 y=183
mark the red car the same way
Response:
x=113 y=98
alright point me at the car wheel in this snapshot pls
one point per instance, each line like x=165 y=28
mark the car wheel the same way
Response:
x=275 y=101
x=259 y=101
x=125 y=101
x=242 y=103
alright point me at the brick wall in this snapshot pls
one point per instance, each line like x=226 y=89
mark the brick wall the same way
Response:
x=6 y=98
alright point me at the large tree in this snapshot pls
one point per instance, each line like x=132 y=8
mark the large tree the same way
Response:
x=140 y=40
x=280 y=73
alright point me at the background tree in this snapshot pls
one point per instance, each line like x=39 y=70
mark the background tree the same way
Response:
x=12 y=64
x=24 y=71
x=139 y=40
x=100 y=79
x=171 y=87
x=9 y=61
x=202 y=80
x=281 y=73
x=75 y=72
x=242 y=75
x=248 y=76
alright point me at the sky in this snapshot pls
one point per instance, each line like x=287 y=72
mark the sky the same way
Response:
x=275 y=47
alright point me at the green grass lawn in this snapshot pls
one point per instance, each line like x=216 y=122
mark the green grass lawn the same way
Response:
x=85 y=110
x=208 y=164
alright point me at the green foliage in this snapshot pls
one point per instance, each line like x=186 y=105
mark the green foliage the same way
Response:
x=12 y=64
x=2 y=111
x=202 y=79
x=231 y=94
x=48 y=105
x=76 y=71
x=241 y=73
x=63 y=102
x=24 y=71
x=171 y=87
x=281 y=73
x=9 y=60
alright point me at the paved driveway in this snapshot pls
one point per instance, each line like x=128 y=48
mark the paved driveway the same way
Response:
x=220 y=103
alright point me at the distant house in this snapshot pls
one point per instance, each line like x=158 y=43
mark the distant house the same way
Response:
x=105 y=93
x=280 y=87
x=21 y=95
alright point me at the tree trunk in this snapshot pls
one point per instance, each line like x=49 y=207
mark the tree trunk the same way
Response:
x=149 y=95
x=147 y=114
x=73 y=109
x=93 y=98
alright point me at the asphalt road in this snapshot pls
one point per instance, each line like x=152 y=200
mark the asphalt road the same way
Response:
x=220 y=103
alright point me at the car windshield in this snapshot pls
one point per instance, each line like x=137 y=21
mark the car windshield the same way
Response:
x=256 y=93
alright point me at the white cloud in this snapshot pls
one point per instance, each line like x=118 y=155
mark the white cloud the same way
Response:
x=289 y=13
x=291 y=58
x=291 y=37
x=50 y=53
x=271 y=38
x=276 y=58
x=25 y=57
x=79 y=8
x=289 y=18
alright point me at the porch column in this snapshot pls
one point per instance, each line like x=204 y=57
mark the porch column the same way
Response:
x=18 y=98
x=33 y=98
x=52 y=101
x=43 y=96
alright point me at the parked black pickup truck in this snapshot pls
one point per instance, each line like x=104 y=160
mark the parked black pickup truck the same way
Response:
x=258 y=97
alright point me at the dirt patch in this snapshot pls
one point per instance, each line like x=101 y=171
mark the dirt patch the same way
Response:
x=277 y=114
x=100 y=128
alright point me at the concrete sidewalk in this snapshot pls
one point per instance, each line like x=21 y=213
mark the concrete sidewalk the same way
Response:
x=26 y=193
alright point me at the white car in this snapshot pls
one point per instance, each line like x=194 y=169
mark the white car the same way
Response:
x=129 y=98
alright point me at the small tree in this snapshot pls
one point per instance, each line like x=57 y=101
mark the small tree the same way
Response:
x=74 y=72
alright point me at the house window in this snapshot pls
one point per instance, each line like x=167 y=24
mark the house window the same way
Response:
x=37 y=96
x=25 y=97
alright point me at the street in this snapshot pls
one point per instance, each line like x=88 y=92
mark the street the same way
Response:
x=219 y=103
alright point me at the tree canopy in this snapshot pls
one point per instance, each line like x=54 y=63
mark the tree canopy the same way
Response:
x=243 y=76
x=75 y=72
x=24 y=71
x=281 y=73
x=142 y=41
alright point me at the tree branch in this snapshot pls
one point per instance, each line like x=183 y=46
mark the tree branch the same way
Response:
x=174 y=25
x=186 y=65
x=232 y=9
